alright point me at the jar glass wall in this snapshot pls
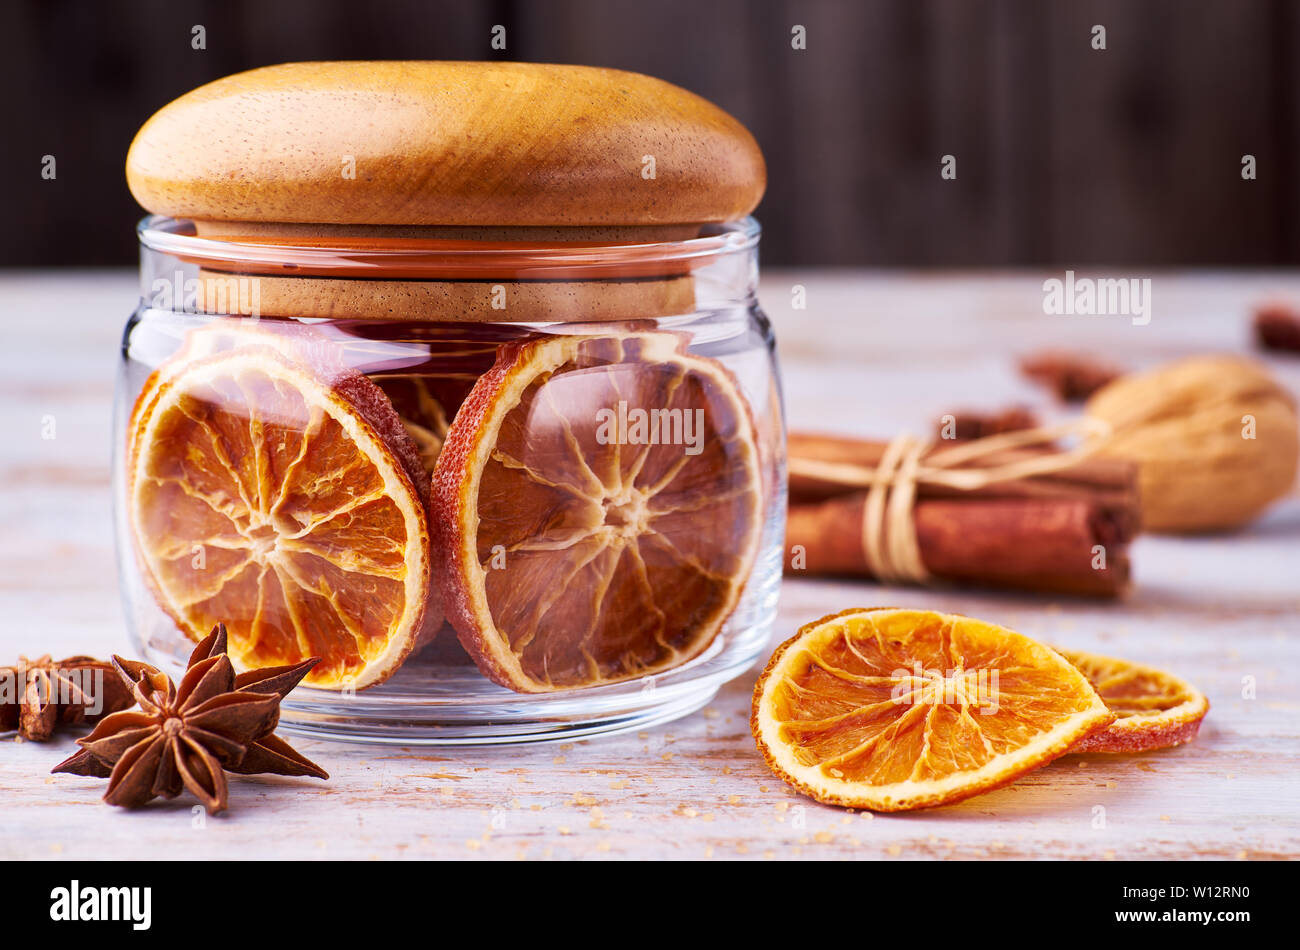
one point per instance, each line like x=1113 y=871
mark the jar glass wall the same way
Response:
x=505 y=491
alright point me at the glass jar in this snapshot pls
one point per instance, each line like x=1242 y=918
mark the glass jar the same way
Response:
x=597 y=426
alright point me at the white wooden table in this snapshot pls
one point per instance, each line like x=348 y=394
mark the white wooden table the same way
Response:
x=871 y=354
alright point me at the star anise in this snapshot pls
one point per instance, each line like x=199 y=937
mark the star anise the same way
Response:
x=269 y=753
x=37 y=696
x=189 y=736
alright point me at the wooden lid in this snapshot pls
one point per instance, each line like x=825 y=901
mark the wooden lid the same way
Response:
x=445 y=143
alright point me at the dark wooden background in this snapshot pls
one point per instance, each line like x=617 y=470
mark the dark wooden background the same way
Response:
x=1065 y=155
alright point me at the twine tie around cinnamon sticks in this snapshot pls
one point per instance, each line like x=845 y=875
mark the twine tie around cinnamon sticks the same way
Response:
x=889 y=537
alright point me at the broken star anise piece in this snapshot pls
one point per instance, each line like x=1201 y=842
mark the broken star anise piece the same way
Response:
x=189 y=736
x=37 y=696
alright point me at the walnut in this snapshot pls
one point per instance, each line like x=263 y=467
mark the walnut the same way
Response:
x=1215 y=438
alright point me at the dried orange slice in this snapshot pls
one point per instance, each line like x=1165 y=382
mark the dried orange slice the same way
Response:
x=1153 y=709
x=323 y=347
x=422 y=415
x=286 y=501
x=293 y=340
x=425 y=400
x=426 y=403
x=578 y=546
x=892 y=709
x=427 y=394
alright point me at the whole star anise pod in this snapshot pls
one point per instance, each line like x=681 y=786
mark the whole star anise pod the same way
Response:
x=37 y=696
x=189 y=736
x=269 y=753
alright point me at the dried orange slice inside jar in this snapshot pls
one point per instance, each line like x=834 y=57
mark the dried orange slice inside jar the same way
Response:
x=287 y=502
x=598 y=506
x=473 y=338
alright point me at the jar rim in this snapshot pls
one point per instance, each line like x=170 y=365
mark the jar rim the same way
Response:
x=446 y=258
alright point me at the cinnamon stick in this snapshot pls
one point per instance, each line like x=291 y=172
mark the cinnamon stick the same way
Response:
x=1066 y=532
x=1277 y=326
x=1102 y=476
x=1072 y=376
x=1026 y=544
x=976 y=424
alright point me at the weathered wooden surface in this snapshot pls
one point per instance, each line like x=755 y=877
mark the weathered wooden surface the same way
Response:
x=871 y=354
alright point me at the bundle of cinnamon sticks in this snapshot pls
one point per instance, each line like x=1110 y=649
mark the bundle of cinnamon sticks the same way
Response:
x=1063 y=531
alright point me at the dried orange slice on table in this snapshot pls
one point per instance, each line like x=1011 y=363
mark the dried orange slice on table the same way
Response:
x=579 y=547
x=285 y=500
x=1153 y=709
x=892 y=709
